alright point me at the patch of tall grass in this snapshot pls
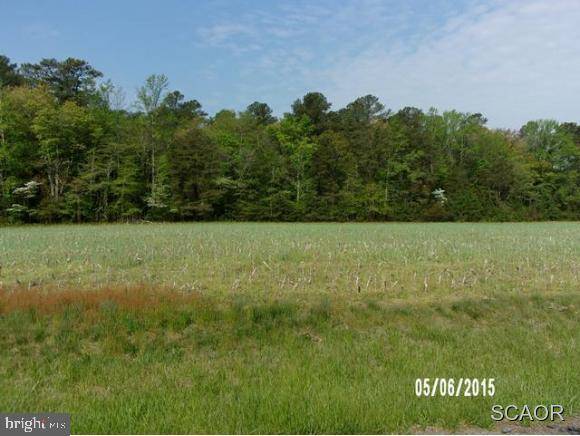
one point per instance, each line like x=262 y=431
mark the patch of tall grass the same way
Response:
x=150 y=360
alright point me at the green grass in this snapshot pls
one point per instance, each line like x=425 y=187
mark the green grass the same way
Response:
x=286 y=328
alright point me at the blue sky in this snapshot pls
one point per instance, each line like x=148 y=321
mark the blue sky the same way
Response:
x=513 y=60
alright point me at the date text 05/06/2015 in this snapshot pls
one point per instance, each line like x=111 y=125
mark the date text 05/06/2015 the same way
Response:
x=450 y=387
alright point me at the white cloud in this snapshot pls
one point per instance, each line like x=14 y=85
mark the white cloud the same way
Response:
x=290 y=44
x=225 y=32
x=513 y=61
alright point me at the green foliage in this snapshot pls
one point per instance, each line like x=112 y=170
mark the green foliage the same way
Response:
x=152 y=93
x=95 y=161
x=71 y=79
x=261 y=112
x=8 y=73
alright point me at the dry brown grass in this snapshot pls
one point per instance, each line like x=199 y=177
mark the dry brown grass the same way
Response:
x=47 y=300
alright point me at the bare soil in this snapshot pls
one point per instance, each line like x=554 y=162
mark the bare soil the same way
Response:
x=568 y=426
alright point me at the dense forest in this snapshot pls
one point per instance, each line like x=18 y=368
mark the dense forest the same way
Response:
x=72 y=151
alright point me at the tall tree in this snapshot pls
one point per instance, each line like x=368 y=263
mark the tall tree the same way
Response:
x=149 y=99
x=295 y=136
x=65 y=133
x=152 y=93
x=193 y=169
x=9 y=73
x=556 y=167
x=261 y=112
x=315 y=106
x=175 y=103
x=71 y=79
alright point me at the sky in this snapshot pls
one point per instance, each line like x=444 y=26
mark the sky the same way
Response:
x=512 y=60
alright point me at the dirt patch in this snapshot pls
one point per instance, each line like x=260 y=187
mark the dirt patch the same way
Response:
x=569 y=426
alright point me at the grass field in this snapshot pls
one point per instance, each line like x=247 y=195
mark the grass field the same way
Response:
x=286 y=328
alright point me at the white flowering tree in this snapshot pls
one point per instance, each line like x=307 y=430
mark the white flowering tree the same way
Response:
x=25 y=196
x=439 y=195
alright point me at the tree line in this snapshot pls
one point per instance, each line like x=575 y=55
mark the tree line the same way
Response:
x=71 y=151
